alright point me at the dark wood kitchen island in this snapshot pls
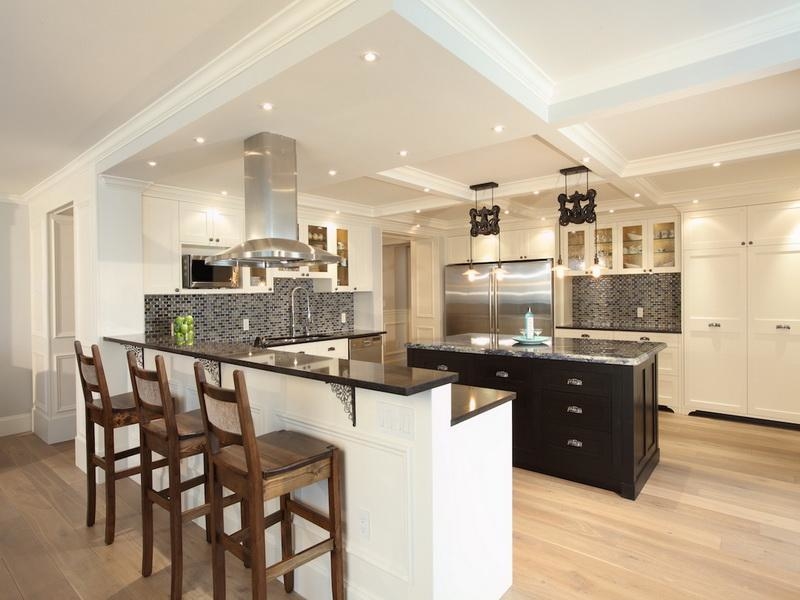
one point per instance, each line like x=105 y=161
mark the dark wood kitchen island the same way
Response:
x=586 y=409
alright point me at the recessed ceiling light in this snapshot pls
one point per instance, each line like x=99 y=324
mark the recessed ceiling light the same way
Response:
x=506 y=211
x=338 y=212
x=267 y=106
x=332 y=172
x=200 y=140
x=403 y=153
x=418 y=211
x=499 y=128
x=587 y=159
x=152 y=163
x=716 y=164
x=611 y=210
x=542 y=219
x=636 y=195
x=224 y=192
x=426 y=190
x=695 y=201
x=370 y=56
x=535 y=192
x=417 y=225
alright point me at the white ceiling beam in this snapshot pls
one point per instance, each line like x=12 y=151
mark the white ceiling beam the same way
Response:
x=774 y=190
x=418 y=179
x=408 y=206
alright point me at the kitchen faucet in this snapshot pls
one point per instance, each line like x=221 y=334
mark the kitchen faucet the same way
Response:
x=293 y=310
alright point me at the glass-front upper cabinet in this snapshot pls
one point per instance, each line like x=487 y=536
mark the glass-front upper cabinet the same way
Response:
x=575 y=250
x=318 y=238
x=663 y=246
x=605 y=247
x=633 y=248
x=342 y=251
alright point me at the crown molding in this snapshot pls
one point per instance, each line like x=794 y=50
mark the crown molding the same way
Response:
x=419 y=179
x=596 y=146
x=128 y=183
x=753 y=192
x=466 y=32
x=408 y=206
x=762 y=29
x=232 y=66
x=181 y=194
x=11 y=199
x=333 y=205
x=760 y=146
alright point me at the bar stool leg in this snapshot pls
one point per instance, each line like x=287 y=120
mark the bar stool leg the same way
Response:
x=217 y=549
x=207 y=495
x=176 y=530
x=147 y=510
x=335 y=508
x=111 y=501
x=258 y=553
x=287 y=543
x=244 y=513
x=91 y=472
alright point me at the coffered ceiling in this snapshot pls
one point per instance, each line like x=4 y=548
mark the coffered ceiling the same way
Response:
x=648 y=94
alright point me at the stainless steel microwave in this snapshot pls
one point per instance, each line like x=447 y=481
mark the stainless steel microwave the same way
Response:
x=198 y=275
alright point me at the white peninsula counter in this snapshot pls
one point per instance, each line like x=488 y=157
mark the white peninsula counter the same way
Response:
x=427 y=465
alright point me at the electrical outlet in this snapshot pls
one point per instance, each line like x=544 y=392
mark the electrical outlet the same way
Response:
x=363 y=523
x=344 y=317
x=246 y=324
x=640 y=312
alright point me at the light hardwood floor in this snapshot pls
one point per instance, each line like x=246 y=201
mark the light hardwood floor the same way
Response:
x=719 y=518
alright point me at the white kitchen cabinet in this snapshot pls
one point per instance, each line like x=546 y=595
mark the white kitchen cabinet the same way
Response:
x=457 y=249
x=359 y=259
x=769 y=224
x=354 y=246
x=715 y=329
x=485 y=248
x=774 y=331
x=721 y=228
x=161 y=248
x=202 y=225
x=575 y=249
x=339 y=348
x=663 y=246
x=522 y=244
x=596 y=334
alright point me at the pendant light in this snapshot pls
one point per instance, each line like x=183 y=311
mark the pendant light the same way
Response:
x=485 y=221
x=596 y=268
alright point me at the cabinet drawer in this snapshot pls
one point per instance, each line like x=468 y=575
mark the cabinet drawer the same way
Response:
x=501 y=372
x=438 y=361
x=577 y=381
x=576 y=410
x=574 y=444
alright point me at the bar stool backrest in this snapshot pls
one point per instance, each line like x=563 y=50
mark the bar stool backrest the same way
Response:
x=152 y=394
x=227 y=418
x=93 y=377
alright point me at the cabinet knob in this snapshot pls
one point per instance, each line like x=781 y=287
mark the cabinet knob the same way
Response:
x=574 y=381
x=210 y=239
x=575 y=443
x=503 y=374
x=355 y=289
x=177 y=290
x=217 y=239
x=750 y=243
x=577 y=410
x=742 y=243
x=644 y=338
x=442 y=368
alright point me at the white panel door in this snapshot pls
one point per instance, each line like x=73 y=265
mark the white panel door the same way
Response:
x=228 y=227
x=361 y=259
x=426 y=290
x=161 y=246
x=774 y=224
x=715 y=334
x=774 y=332
x=195 y=225
x=722 y=228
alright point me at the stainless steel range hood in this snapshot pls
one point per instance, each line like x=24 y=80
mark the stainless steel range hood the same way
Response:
x=270 y=209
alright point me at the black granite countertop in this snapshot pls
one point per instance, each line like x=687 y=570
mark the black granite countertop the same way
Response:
x=319 y=336
x=610 y=327
x=610 y=352
x=403 y=381
x=470 y=401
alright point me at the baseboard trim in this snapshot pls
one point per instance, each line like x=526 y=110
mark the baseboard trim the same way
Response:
x=741 y=419
x=15 y=424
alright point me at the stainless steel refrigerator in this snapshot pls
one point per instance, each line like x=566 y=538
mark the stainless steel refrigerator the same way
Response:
x=494 y=305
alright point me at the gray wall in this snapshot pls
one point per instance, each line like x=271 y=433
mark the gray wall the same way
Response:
x=15 y=313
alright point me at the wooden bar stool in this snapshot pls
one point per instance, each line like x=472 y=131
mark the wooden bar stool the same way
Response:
x=259 y=469
x=175 y=436
x=110 y=413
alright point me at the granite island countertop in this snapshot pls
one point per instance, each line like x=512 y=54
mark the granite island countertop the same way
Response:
x=601 y=326
x=610 y=352
x=404 y=381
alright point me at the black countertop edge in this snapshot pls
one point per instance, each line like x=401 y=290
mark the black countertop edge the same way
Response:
x=372 y=379
x=632 y=330
x=268 y=342
x=470 y=401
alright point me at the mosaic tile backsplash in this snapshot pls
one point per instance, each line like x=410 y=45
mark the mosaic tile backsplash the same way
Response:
x=218 y=317
x=611 y=301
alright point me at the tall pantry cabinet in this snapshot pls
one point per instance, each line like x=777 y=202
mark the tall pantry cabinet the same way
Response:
x=741 y=281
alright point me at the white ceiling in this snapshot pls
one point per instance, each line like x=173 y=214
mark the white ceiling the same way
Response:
x=72 y=72
x=647 y=93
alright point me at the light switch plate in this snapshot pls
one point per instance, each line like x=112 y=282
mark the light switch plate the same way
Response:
x=246 y=324
x=640 y=312
x=344 y=317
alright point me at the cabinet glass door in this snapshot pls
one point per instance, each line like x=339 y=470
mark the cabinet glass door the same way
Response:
x=576 y=250
x=318 y=238
x=605 y=247
x=632 y=247
x=342 y=250
x=663 y=245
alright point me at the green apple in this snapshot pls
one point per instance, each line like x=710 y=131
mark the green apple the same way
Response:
x=179 y=321
x=184 y=328
x=189 y=319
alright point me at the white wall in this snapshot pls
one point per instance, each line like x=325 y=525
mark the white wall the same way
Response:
x=15 y=321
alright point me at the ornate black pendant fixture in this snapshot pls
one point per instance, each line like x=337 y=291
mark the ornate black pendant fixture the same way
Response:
x=579 y=212
x=485 y=221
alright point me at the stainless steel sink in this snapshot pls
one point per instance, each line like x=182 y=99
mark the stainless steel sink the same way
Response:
x=261 y=342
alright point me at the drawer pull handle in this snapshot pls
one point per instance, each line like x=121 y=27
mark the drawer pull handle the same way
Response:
x=715 y=325
x=784 y=327
x=585 y=335
x=442 y=368
x=644 y=338
x=301 y=351
x=503 y=374
x=332 y=349
x=575 y=410
x=574 y=381
x=575 y=443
